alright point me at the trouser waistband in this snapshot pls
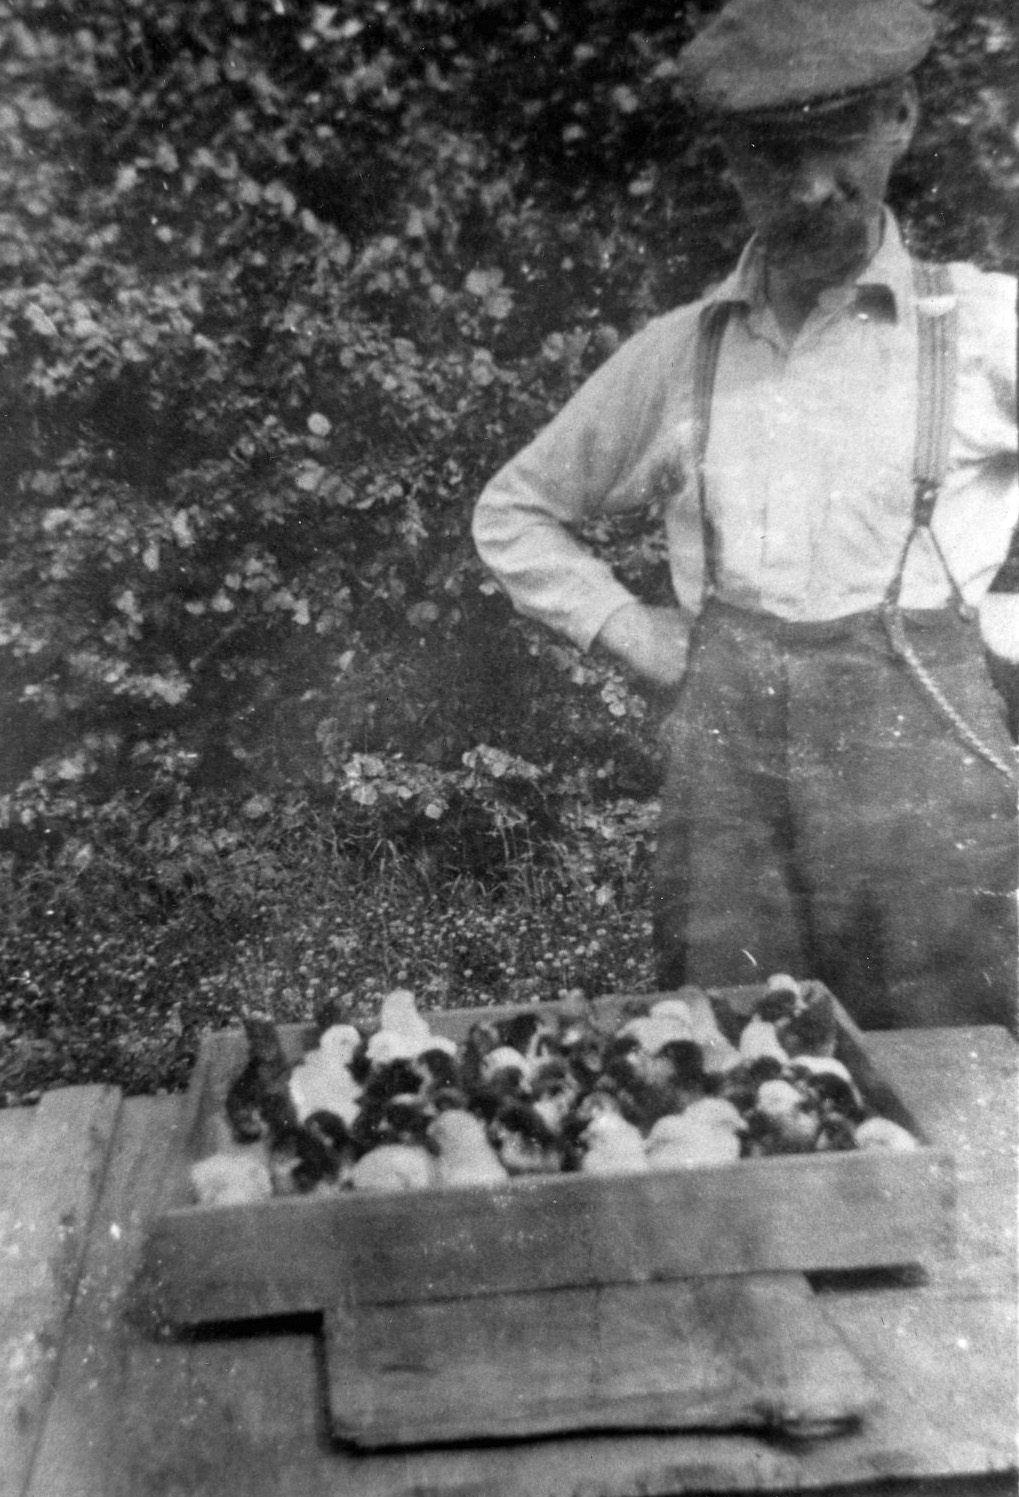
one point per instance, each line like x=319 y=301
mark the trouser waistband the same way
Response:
x=818 y=631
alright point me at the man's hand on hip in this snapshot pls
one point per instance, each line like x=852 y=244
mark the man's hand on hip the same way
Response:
x=651 y=642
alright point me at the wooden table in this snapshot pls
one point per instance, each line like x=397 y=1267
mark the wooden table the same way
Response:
x=91 y=1408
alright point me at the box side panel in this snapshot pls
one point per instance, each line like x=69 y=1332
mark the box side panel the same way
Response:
x=796 y=1214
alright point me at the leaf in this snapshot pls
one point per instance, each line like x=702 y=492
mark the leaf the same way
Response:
x=421 y=614
x=309 y=477
x=40 y=320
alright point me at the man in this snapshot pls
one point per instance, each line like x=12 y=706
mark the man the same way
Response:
x=832 y=436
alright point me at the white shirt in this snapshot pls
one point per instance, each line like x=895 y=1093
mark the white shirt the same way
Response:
x=809 y=465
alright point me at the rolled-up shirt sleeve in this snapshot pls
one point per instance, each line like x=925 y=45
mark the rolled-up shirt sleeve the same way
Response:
x=603 y=453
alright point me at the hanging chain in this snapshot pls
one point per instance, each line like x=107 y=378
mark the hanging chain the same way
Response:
x=891 y=617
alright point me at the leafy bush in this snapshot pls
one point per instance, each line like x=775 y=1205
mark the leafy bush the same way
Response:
x=282 y=284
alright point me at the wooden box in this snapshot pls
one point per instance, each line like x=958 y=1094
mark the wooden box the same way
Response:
x=795 y=1213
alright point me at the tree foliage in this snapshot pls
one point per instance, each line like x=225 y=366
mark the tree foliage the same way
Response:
x=281 y=284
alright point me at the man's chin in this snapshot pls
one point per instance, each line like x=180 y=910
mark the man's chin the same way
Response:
x=818 y=265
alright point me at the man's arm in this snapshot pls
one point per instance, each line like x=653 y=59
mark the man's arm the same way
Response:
x=610 y=450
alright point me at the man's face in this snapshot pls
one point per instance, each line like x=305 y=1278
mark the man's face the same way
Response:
x=813 y=188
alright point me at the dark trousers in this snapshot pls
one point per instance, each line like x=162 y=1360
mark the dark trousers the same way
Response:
x=821 y=817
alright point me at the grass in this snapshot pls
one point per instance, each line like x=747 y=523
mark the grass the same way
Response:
x=117 y=950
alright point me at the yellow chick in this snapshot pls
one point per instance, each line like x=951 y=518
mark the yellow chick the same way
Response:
x=393 y=1167
x=719 y=1054
x=882 y=1133
x=232 y=1179
x=706 y=1133
x=322 y=1081
x=759 y=1039
x=612 y=1146
x=403 y=1033
x=465 y=1156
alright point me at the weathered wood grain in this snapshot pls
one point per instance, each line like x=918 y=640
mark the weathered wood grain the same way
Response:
x=805 y=1212
x=242 y=1415
x=754 y=1353
x=55 y=1158
x=757 y=1216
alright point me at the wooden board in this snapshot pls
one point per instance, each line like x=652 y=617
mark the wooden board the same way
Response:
x=234 y=1414
x=54 y=1159
x=708 y=1353
x=794 y=1213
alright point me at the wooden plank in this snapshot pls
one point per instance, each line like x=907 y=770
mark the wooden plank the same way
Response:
x=241 y=1415
x=957 y=1356
x=753 y=1353
x=965 y=1084
x=56 y=1169
x=762 y=1215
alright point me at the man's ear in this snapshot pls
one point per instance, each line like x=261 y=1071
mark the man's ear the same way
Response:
x=904 y=115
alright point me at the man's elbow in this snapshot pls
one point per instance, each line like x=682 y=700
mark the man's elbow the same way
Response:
x=999 y=625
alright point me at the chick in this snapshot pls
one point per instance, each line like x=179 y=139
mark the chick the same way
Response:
x=482 y=1038
x=718 y=1054
x=707 y=1133
x=688 y=1077
x=505 y=1058
x=265 y=1073
x=759 y=1039
x=393 y=1167
x=322 y=1081
x=301 y=1159
x=612 y=1146
x=531 y=1034
x=583 y=1050
x=554 y=1091
x=813 y=1028
x=232 y=1179
x=828 y=1078
x=652 y=1031
x=788 y=1118
x=882 y=1133
x=437 y=1068
x=524 y=1142
x=465 y=1156
x=403 y=1033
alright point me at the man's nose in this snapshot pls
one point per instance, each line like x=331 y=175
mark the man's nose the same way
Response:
x=813 y=182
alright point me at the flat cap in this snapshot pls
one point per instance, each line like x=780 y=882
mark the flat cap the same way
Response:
x=770 y=56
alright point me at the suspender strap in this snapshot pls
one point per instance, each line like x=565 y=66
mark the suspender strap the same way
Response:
x=937 y=349
x=937 y=333
x=710 y=332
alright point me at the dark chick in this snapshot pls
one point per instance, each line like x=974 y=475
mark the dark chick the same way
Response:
x=438 y=1070
x=813 y=1030
x=524 y=1142
x=266 y=1073
x=482 y=1039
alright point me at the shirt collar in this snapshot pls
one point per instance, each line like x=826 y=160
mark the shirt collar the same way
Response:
x=884 y=286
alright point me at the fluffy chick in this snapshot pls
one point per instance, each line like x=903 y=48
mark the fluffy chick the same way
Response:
x=612 y=1146
x=232 y=1179
x=707 y=1133
x=524 y=1142
x=882 y=1133
x=788 y=1118
x=323 y=1081
x=465 y=1156
x=759 y=1040
x=717 y=1053
x=265 y=1075
x=813 y=1028
x=393 y=1167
